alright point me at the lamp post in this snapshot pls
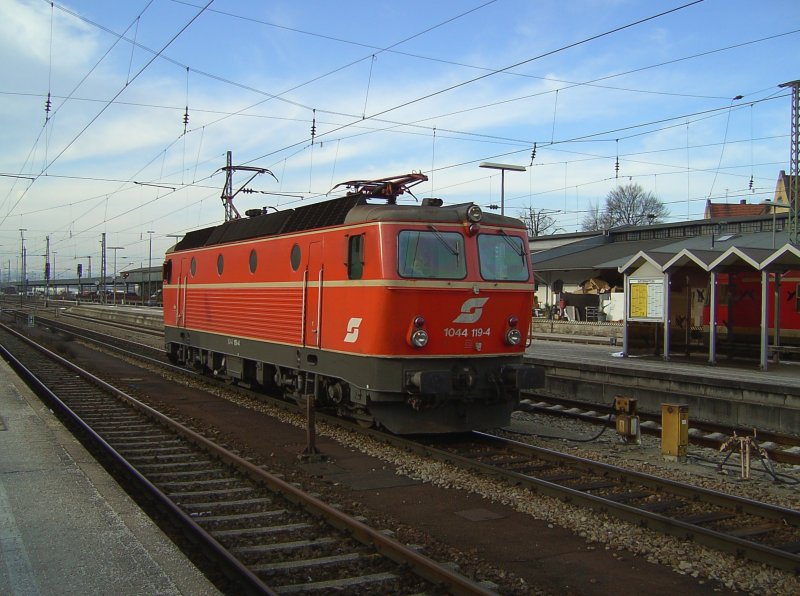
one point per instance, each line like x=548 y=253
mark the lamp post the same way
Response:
x=114 y=281
x=502 y=167
x=149 y=264
x=23 y=281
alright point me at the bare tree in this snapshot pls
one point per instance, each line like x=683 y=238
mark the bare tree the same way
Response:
x=538 y=222
x=594 y=219
x=626 y=205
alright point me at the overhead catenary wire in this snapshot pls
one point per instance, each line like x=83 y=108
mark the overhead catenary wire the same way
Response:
x=107 y=105
x=439 y=132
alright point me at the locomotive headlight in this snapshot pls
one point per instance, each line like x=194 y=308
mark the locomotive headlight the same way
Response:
x=513 y=337
x=419 y=338
x=474 y=213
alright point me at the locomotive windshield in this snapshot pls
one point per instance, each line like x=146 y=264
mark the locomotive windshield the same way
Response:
x=434 y=254
x=502 y=257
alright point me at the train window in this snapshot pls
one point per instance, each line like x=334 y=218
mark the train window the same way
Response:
x=355 y=257
x=502 y=257
x=294 y=258
x=220 y=263
x=166 y=272
x=253 y=261
x=193 y=266
x=433 y=254
x=797 y=298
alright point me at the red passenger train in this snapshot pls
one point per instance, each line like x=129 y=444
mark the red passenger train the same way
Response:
x=739 y=308
x=412 y=318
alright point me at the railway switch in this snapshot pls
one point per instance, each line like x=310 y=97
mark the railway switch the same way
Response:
x=627 y=420
x=674 y=431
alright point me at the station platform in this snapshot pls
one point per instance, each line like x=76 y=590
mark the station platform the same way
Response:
x=66 y=527
x=733 y=392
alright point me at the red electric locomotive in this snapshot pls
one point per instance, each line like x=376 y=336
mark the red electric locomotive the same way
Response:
x=413 y=318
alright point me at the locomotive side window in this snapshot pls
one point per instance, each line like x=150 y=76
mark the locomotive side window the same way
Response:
x=355 y=257
x=294 y=258
x=502 y=257
x=166 y=272
x=220 y=263
x=193 y=266
x=434 y=254
x=253 y=261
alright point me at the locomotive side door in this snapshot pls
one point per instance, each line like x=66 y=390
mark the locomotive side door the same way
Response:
x=180 y=301
x=312 y=290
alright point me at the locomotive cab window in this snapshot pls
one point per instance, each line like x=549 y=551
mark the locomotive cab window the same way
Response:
x=502 y=258
x=431 y=254
x=355 y=257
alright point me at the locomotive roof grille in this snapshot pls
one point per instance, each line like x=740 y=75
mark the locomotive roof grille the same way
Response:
x=308 y=217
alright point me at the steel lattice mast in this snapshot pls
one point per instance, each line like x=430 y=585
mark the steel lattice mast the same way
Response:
x=794 y=162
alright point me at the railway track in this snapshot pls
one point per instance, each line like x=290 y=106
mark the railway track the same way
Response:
x=268 y=535
x=747 y=528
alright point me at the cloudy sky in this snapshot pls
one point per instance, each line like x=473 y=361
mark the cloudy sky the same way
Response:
x=390 y=88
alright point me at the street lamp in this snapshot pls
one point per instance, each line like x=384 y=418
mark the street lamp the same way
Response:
x=502 y=167
x=149 y=263
x=114 y=282
x=22 y=276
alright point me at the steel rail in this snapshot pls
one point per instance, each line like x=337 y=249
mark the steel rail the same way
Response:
x=714 y=539
x=421 y=565
x=661 y=523
x=250 y=582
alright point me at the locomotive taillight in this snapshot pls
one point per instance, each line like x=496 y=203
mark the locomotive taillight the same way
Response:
x=513 y=335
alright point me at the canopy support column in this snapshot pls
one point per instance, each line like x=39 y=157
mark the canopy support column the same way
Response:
x=625 y=339
x=764 y=318
x=667 y=282
x=712 y=322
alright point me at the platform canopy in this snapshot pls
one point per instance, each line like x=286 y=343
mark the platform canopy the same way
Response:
x=695 y=262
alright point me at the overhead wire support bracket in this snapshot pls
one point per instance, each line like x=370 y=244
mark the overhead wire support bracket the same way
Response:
x=228 y=194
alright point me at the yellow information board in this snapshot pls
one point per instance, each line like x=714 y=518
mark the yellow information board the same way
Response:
x=646 y=302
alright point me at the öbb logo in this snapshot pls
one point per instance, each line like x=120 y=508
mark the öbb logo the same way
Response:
x=471 y=310
x=352 y=330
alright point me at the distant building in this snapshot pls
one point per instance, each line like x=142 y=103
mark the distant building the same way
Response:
x=779 y=202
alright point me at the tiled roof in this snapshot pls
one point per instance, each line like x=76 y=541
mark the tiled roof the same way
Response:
x=734 y=209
